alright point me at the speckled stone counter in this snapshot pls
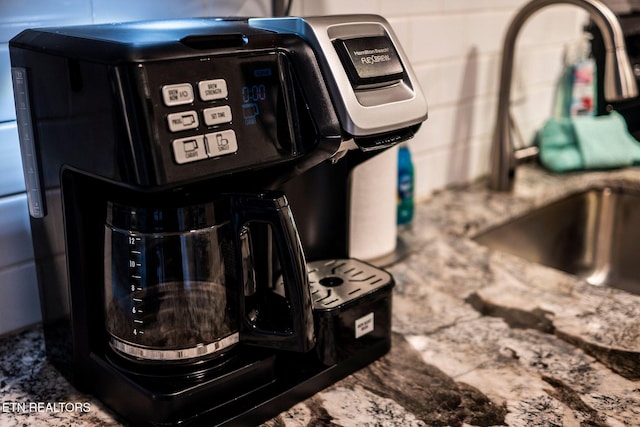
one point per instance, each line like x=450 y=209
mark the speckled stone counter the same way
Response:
x=480 y=337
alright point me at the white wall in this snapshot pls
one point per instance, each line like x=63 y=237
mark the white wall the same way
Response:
x=454 y=47
x=453 y=44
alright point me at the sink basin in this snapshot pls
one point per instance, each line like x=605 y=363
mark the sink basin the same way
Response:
x=593 y=234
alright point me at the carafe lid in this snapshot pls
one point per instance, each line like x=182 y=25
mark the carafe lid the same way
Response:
x=165 y=218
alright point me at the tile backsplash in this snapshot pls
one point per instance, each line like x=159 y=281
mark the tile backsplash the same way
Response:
x=454 y=46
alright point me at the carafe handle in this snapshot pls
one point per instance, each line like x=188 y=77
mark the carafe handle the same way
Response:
x=273 y=208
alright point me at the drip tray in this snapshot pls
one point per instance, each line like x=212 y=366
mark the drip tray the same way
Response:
x=335 y=283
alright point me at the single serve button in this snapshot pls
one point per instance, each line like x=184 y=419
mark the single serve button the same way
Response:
x=369 y=60
x=221 y=143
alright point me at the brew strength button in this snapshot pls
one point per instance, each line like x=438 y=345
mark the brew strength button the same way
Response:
x=212 y=89
x=178 y=94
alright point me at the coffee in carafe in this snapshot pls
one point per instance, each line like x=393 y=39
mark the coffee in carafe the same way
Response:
x=167 y=291
x=180 y=282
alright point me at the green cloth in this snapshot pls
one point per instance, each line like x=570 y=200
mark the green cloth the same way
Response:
x=585 y=142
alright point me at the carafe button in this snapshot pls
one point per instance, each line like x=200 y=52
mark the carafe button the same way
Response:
x=191 y=149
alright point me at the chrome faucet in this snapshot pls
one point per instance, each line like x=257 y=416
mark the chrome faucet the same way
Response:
x=619 y=81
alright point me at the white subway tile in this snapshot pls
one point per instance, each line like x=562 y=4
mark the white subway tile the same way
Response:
x=531 y=114
x=18 y=15
x=481 y=5
x=455 y=124
x=449 y=165
x=402 y=29
x=486 y=31
x=411 y=7
x=7 y=109
x=118 y=10
x=541 y=65
x=11 y=178
x=447 y=82
x=19 y=301
x=555 y=24
x=438 y=37
x=15 y=231
x=332 y=7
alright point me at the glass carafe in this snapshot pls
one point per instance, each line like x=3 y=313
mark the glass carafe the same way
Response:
x=180 y=284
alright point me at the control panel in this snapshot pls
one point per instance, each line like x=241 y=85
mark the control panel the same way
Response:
x=220 y=113
x=202 y=146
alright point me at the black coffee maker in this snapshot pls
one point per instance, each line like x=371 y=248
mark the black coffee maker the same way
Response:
x=173 y=282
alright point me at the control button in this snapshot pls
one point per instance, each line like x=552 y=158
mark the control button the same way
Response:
x=212 y=89
x=369 y=60
x=182 y=121
x=190 y=149
x=221 y=143
x=217 y=115
x=178 y=94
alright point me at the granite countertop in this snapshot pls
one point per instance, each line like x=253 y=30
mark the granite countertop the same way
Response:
x=479 y=337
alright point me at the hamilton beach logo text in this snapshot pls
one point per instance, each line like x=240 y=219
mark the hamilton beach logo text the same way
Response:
x=43 y=407
x=373 y=56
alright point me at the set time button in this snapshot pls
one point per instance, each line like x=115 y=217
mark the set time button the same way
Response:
x=217 y=115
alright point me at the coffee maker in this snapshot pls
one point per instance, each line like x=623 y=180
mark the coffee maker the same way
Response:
x=158 y=160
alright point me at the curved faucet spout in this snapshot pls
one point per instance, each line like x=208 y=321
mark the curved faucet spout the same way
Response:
x=619 y=81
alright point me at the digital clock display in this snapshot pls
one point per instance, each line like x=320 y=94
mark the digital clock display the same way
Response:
x=257 y=93
x=254 y=93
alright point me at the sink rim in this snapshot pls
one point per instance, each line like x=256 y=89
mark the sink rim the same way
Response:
x=591 y=256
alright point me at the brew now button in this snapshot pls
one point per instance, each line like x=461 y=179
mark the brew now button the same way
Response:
x=178 y=94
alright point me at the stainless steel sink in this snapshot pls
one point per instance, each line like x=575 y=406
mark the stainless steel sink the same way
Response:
x=594 y=234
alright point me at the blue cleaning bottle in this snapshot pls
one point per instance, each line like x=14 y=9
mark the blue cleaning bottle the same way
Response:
x=405 y=186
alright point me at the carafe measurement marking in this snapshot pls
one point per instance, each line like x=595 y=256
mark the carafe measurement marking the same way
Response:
x=135 y=273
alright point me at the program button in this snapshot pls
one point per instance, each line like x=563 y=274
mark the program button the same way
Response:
x=182 y=121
